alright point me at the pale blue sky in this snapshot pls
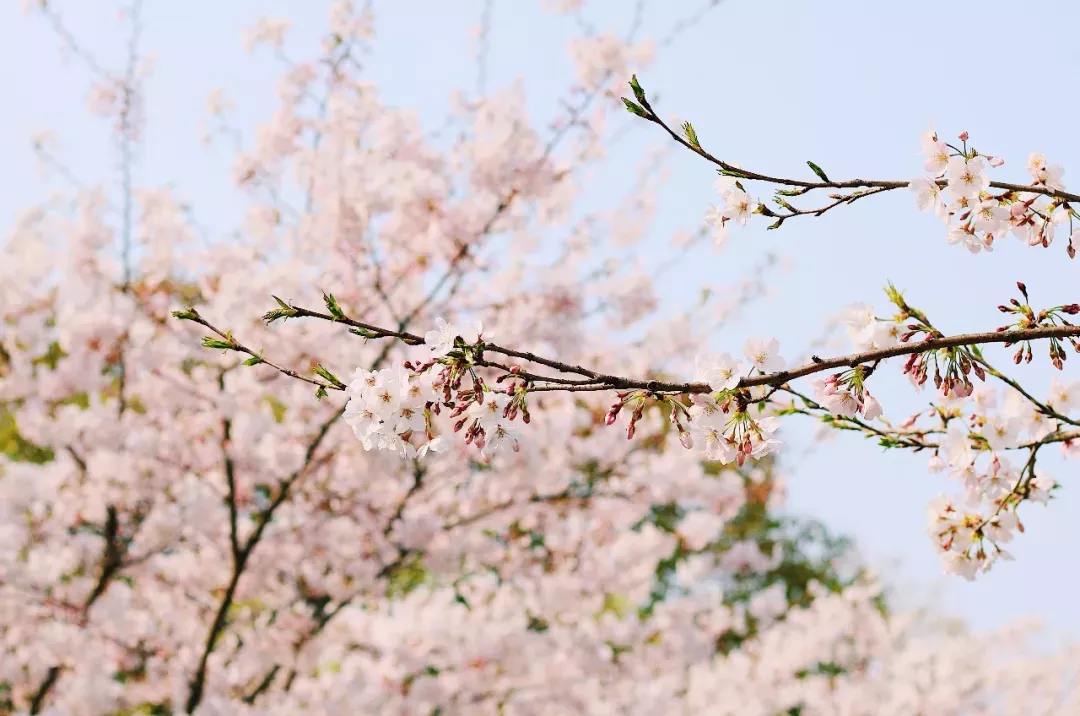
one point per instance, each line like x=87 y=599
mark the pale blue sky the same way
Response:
x=849 y=84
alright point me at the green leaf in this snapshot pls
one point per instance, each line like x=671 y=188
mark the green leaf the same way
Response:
x=817 y=170
x=327 y=375
x=190 y=314
x=363 y=333
x=639 y=93
x=538 y=624
x=285 y=311
x=333 y=307
x=254 y=360
x=51 y=357
x=635 y=109
x=209 y=342
x=691 y=135
x=321 y=393
x=784 y=204
x=277 y=408
x=616 y=604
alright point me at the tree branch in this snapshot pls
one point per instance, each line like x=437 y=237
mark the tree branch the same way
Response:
x=877 y=185
x=240 y=561
x=597 y=381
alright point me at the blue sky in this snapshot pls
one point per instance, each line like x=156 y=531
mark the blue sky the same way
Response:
x=849 y=84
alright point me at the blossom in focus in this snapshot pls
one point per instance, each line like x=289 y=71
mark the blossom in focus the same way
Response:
x=764 y=354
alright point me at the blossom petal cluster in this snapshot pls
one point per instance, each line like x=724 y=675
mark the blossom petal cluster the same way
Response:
x=974 y=214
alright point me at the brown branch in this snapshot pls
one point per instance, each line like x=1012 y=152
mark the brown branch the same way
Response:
x=877 y=184
x=598 y=381
x=912 y=439
x=1042 y=407
x=114 y=554
x=230 y=482
x=111 y=561
x=43 y=691
x=240 y=561
x=192 y=315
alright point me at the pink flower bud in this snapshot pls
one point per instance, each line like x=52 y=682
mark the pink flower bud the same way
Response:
x=686 y=439
x=996 y=161
x=964 y=136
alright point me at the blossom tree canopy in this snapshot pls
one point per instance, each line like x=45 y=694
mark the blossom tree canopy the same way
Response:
x=400 y=488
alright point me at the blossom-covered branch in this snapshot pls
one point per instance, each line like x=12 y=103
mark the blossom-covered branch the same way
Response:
x=982 y=215
x=595 y=380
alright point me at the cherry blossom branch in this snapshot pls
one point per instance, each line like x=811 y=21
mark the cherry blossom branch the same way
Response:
x=403 y=554
x=690 y=140
x=227 y=343
x=1029 y=320
x=197 y=682
x=241 y=558
x=419 y=472
x=1042 y=407
x=38 y=700
x=596 y=380
x=230 y=482
x=911 y=439
x=111 y=561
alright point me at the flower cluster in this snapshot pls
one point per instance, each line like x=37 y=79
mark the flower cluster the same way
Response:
x=721 y=422
x=845 y=395
x=727 y=432
x=970 y=539
x=737 y=208
x=867 y=332
x=388 y=407
x=394 y=408
x=973 y=213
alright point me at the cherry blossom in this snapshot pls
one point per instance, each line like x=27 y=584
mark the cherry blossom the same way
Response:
x=764 y=354
x=457 y=526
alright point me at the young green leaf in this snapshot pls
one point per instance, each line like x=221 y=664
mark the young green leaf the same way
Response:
x=327 y=375
x=817 y=170
x=333 y=306
x=635 y=109
x=639 y=93
x=691 y=135
x=189 y=314
x=215 y=343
